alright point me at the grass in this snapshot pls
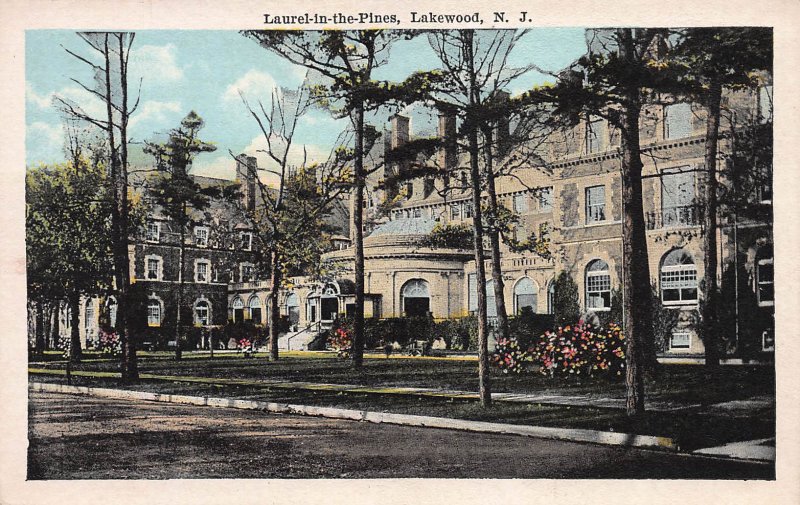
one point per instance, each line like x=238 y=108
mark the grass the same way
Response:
x=681 y=385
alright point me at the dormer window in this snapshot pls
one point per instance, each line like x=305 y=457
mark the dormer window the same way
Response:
x=201 y=236
x=153 y=231
x=246 y=239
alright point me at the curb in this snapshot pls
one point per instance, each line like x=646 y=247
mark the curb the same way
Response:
x=572 y=435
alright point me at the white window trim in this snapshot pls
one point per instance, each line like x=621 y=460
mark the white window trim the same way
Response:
x=160 y=302
x=159 y=270
x=600 y=273
x=197 y=242
x=765 y=303
x=158 y=232
x=587 y=206
x=196 y=318
x=678 y=268
x=249 y=245
x=241 y=271
x=687 y=347
x=204 y=261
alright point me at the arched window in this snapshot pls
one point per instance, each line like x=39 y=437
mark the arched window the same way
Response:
x=678 y=278
x=153 y=312
x=254 y=305
x=112 y=311
x=202 y=313
x=525 y=295
x=293 y=308
x=238 y=310
x=598 y=286
x=765 y=276
x=416 y=298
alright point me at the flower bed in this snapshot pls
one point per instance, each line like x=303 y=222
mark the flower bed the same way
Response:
x=569 y=350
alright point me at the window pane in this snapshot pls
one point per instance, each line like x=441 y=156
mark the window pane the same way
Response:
x=678 y=120
x=595 y=204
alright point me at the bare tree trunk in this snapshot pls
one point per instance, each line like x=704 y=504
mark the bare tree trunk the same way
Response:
x=358 y=224
x=75 y=351
x=636 y=274
x=471 y=125
x=711 y=289
x=494 y=239
x=274 y=308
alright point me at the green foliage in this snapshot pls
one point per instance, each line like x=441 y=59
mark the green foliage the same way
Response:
x=527 y=325
x=448 y=236
x=566 y=303
x=174 y=190
x=67 y=230
x=664 y=322
x=741 y=312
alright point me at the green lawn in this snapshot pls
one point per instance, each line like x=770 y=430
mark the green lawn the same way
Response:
x=686 y=384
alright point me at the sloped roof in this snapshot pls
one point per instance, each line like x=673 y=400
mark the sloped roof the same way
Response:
x=407 y=226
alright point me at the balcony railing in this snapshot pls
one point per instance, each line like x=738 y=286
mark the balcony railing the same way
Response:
x=674 y=217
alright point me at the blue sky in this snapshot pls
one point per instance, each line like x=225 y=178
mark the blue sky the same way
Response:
x=203 y=70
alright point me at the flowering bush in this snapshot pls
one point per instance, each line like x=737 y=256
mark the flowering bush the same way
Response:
x=509 y=356
x=244 y=345
x=572 y=349
x=579 y=348
x=64 y=344
x=109 y=343
x=341 y=341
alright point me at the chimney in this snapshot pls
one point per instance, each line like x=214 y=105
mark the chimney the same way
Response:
x=448 y=154
x=246 y=173
x=502 y=131
x=400 y=128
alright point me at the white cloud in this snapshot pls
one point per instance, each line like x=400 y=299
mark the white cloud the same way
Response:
x=155 y=114
x=44 y=142
x=254 y=85
x=221 y=166
x=156 y=63
x=42 y=101
x=224 y=167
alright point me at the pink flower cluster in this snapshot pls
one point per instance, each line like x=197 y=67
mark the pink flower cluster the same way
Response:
x=109 y=343
x=572 y=349
x=341 y=341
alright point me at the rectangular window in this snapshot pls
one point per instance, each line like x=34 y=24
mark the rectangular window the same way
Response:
x=546 y=199
x=202 y=271
x=153 y=269
x=153 y=313
x=679 y=284
x=677 y=121
x=595 y=136
x=201 y=236
x=678 y=198
x=680 y=340
x=595 y=204
x=467 y=210
x=765 y=104
x=472 y=292
x=153 y=233
x=455 y=211
x=598 y=291
x=246 y=241
x=246 y=272
x=521 y=203
x=417 y=212
x=766 y=282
